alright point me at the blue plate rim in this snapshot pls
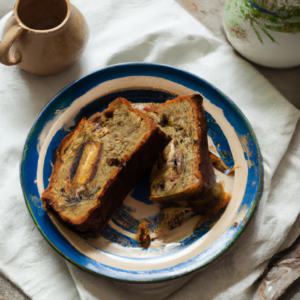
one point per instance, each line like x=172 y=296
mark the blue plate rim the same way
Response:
x=149 y=279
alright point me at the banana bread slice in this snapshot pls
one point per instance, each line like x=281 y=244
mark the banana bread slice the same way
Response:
x=183 y=172
x=98 y=164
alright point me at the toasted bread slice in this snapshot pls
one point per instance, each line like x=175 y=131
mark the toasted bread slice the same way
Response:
x=183 y=173
x=98 y=164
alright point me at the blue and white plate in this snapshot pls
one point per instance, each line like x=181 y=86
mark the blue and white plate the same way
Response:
x=173 y=252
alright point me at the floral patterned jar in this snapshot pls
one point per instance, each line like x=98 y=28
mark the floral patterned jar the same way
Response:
x=266 y=32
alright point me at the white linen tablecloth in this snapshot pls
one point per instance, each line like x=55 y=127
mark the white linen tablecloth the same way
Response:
x=162 y=32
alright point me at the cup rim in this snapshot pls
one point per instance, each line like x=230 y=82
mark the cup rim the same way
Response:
x=61 y=25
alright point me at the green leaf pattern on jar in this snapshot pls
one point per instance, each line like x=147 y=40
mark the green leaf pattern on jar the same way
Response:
x=241 y=16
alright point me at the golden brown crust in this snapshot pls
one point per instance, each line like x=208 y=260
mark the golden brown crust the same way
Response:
x=121 y=180
x=203 y=169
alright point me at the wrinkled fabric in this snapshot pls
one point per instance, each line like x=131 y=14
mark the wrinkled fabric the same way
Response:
x=160 y=32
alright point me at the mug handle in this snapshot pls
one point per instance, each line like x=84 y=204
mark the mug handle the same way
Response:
x=7 y=41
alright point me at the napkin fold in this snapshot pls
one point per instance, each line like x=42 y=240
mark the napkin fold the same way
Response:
x=161 y=32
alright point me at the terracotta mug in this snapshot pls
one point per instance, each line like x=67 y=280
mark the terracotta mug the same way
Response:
x=44 y=37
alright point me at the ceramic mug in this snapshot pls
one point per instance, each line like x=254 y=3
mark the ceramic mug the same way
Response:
x=44 y=37
x=266 y=32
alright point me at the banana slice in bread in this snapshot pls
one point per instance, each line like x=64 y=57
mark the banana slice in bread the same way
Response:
x=183 y=172
x=98 y=164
